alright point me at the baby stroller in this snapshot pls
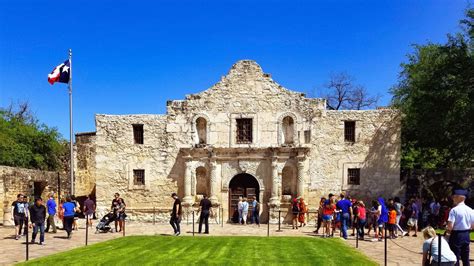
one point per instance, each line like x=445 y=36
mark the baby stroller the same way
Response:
x=103 y=225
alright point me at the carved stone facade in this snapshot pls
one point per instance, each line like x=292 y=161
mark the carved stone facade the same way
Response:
x=296 y=148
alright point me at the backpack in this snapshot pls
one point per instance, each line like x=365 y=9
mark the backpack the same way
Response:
x=295 y=207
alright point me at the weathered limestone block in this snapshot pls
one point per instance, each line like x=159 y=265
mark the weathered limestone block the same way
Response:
x=287 y=129
x=30 y=182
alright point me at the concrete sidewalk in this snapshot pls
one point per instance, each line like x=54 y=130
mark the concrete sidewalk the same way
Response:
x=401 y=251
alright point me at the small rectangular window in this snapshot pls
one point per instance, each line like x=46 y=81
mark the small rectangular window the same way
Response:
x=353 y=176
x=349 y=131
x=139 y=177
x=138 y=133
x=244 y=130
x=307 y=136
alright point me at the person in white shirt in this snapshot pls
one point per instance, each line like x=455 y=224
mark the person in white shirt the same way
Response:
x=431 y=248
x=239 y=209
x=245 y=210
x=460 y=222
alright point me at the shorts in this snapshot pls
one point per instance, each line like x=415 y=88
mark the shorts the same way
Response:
x=18 y=219
x=412 y=222
x=380 y=223
x=327 y=217
x=121 y=216
x=90 y=216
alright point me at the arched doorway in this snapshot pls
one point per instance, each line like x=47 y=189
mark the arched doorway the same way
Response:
x=242 y=185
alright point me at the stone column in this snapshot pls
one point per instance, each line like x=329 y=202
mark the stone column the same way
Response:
x=213 y=183
x=275 y=198
x=301 y=176
x=188 y=198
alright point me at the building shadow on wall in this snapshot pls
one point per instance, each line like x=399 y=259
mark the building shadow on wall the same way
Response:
x=176 y=174
x=382 y=163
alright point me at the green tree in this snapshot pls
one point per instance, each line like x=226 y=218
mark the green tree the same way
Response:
x=24 y=142
x=435 y=93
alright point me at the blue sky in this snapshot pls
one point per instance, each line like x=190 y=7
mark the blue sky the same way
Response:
x=133 y=56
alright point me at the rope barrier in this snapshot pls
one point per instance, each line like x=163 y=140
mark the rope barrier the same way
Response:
x=404 y=247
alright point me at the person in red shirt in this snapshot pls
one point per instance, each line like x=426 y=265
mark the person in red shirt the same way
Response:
x=328 y=213
x=361 y=219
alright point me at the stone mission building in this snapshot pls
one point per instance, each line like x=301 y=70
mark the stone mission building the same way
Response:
x=245 y=136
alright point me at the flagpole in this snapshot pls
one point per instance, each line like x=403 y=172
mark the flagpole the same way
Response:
x=71 y=169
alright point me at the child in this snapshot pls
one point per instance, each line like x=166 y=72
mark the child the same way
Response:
x=328 y=212
x=392 y=221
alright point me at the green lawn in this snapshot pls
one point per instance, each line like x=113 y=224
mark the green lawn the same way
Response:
x=141 y=250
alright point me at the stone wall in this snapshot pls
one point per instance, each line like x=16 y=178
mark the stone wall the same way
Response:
x=376 y=152
x=30 y=182
x=173 y=146
x=84 y=164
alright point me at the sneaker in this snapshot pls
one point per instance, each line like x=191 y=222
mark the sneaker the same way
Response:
x=42 y=243
x=32 y=241
x=414 y=235
x=178 y=233
x=17 y=237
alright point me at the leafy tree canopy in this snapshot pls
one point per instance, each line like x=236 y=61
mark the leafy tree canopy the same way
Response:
x=24 y=142
x=435 y=93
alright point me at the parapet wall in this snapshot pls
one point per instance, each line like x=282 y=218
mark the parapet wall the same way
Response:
x=30 y=182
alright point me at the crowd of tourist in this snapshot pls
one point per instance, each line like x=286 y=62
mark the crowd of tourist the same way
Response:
x=41 y=217
x=334 y=214
x=393 y=217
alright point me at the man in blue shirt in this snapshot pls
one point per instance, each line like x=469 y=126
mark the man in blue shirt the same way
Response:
x=345 y=206
x=255 y=211
x=69 y=211
x=51 y=207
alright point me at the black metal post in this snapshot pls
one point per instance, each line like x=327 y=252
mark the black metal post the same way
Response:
x=385 y=247
x=268 y=224
x=222 y=219
x=439 y=249
x=59 y=188
x=357 y=235
x=87 y=228
x=193 y=223
x=123 y=229
x=154 y=213
x=279 y=221
x=27 y=241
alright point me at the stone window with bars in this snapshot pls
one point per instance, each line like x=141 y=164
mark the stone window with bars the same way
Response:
x=353 y=176
x=138 y=133
x=244 y=130
x=349 y=131
x=139 y=177
x=307 y=136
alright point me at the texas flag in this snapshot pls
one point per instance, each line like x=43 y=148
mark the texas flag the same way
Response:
x=61 y=73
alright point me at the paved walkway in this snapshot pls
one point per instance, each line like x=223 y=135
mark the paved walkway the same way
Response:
x=402 y=251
